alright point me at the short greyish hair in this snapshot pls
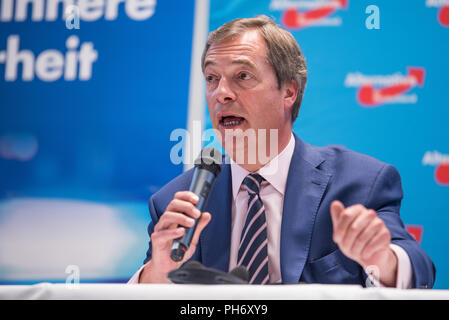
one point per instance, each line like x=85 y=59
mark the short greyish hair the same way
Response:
x=283 y=52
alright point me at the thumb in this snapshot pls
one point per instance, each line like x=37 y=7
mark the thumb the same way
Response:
x=336 y=208
x=202 y=223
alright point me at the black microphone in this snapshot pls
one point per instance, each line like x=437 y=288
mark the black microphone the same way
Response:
x=207 y=168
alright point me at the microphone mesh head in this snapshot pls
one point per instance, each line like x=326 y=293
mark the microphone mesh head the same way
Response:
x=209 y=159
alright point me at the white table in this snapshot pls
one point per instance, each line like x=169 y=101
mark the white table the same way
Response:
x=48 y=291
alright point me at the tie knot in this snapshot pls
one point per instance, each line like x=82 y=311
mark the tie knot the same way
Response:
x=253 y=182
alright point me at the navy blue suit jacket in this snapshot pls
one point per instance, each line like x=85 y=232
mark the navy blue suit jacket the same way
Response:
x=317 y=176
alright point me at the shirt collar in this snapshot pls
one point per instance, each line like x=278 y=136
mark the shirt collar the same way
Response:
x=275 y=171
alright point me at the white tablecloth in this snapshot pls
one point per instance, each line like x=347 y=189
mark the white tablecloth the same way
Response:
x=211 y=292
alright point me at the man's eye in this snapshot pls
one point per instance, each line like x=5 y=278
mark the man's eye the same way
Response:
x=244 y=76
x=210 y=78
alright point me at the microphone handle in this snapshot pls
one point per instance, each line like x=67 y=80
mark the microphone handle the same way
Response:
x=201 y=184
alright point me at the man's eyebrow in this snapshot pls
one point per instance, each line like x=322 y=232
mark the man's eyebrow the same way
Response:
x=208 y=63
x=246 y=62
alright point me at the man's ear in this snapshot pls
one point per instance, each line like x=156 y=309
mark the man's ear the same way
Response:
x=290 y=93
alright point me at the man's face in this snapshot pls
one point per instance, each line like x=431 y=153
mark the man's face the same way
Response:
x=241 y=87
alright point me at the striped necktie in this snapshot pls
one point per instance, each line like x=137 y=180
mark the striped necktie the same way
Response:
x=253 y=252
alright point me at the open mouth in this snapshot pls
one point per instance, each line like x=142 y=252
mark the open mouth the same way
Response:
x=230 y=122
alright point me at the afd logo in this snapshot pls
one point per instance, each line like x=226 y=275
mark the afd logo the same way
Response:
x=306 y=13
x=443 y=12
x=441 y=163
x=416 y=231
x=377 y=90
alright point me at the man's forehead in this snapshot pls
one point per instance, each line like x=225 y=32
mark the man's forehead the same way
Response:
x=240 y=49
x=238 y=60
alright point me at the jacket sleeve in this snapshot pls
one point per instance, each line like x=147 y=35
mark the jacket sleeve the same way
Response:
x=155 y=215
x=385 y=197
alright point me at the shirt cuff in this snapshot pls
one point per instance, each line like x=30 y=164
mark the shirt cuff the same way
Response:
x=135 y=277
x=404 y=276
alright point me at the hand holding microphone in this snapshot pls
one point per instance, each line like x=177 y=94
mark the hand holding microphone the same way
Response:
x=178 y=230
x=207 y=168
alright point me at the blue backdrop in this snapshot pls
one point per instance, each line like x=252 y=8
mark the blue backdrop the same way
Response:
x=80 y=155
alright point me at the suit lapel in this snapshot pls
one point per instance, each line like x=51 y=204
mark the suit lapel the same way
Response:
x=215 y=239
x=304 y=190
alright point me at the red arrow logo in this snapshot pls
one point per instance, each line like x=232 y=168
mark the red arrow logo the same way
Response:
x=371 y=97
x=294 y=19
x=443 y=16
x=442 y=174
x=416 y=232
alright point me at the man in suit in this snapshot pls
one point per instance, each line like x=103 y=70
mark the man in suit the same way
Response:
x=304 y=213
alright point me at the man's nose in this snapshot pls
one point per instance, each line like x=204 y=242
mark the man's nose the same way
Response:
x=224 y=91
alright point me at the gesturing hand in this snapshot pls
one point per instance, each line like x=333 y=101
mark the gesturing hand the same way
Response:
x=363 y=237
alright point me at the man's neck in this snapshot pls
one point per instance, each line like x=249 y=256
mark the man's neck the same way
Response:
x=282 y=144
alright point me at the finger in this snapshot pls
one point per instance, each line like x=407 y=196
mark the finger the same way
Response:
x=363 y=238
x=346 y=218
x=184 y=206
x=171 y=220
x=380 y=241
x=336 y=208
x=187 y=196
x=162 y=238
x=357 y=227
